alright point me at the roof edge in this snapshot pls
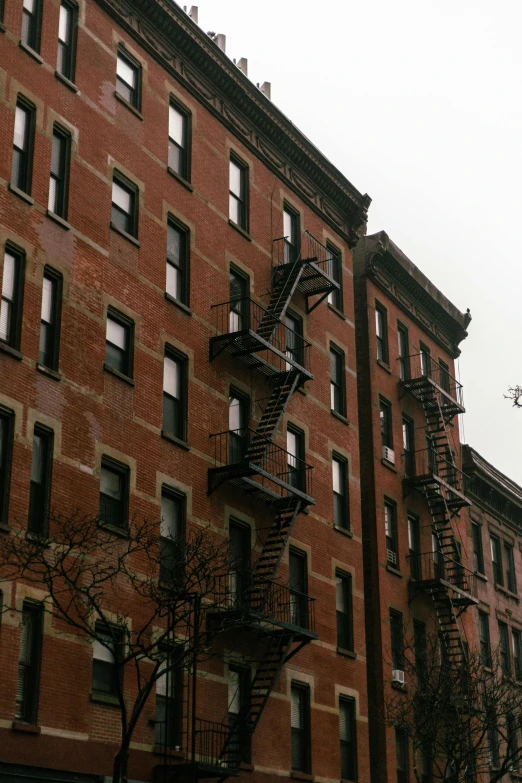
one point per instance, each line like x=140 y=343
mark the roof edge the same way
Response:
x=472 y=460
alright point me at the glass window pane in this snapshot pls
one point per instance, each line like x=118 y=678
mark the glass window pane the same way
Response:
x=29 y=5
x=102 y=653
x=288 y=227
x=340 y=597
x=235 y=179
x=38 y=458
x=8 y=280
x=337 y=473
x=110 y=483
x=20 y=127
x=126 y=72
x=170 y=517
x=296 y=708
x=233 y=208
x=171 y=377
x=5 y=318
x=176 y=122
x=234 y=414
x=173 y=281
x=234 y=692
x=57 y=154
x=291 y=445
x=173 y=244
x=116 y=333
x=47 y=300
x=64 y=23
x=121 y=197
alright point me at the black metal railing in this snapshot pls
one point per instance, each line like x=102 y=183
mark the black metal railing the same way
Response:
x=243 y=314
x=247 y=447
x=211 y=744
x=434 y=566
x=428 y=462
x=247 y=594
x=310 y=250
x=422 y=365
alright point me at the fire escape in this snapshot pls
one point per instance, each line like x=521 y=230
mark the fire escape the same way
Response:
x=433 y=472
x=252 y=602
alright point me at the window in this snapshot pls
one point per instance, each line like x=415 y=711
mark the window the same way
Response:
x=172 y=532
x=512 y=750
x=485 y=644
x=175 y=395
x=128 y=78
x=341 y=504
x=390 y=526
x=22 y=165
x=381 y=331
x=419 y=650
x=425 y=359
x=179 y=141
x=404 y=352
x=294 y=339
x=238 y=703
x=335 y=270
x=124 y=214
x=67 y=40
x=31 y=23
x=401 y=749
x=444 y=376
x=517 y=653
x=177 y=262
x=29 y=663
x=348 y=737
x=238 y=194
x=239 y=302
x=238 y=416
x=40 y=488
x=478 y=555
x=59 y=179
x=119 y=343
x=300 y=723
x=496 y=559
x=408 y=443
x=12 y=297
x=106 y=651
x=295 y=446
x=169 y=702
x=511 y=579
x=114 y=493
x=291 y=235
x=494 y=755
x=414 y=546
x=343 y=610
x=50 y=319
x=298 y=588
x=337 y=394
x=6 y=449
x=396 y=637
x=239 y=554
x=503 y=643
x=385 y=411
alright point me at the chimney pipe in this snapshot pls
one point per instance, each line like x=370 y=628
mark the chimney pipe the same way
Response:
x=266 y=89
x=221 y=41
x=243 y=65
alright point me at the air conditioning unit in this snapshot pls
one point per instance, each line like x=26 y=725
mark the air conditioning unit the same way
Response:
x=398 y=676
x=391 y=556
x=388 y=454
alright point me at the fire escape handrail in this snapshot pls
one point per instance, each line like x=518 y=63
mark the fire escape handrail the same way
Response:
x=311 y=250
x=435 y=565
x=425 y=462
x=422 y=365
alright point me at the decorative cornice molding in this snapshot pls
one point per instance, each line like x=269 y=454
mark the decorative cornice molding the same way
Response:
x=184 y=50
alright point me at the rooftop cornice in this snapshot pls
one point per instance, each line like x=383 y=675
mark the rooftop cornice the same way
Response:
x=196 y=61
x=472 y=461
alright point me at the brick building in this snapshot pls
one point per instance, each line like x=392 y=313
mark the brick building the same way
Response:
x=149 y=302
x=415 y=546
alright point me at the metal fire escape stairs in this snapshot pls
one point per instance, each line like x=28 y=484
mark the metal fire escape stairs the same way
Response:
x=451 y=594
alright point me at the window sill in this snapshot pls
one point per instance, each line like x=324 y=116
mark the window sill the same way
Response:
x=346 y=653
x=31 y=52
x=384 y=366
x=336 y=310
x=5 y=528
x=397 y=686
x=57 y=219
x=2 y=27
x=54 y=374
x=393 y=570
x=179 y=304
x=245 y=767
x=121 y=532
x=37 y=538
x=389 y=465
x=507 y=592
x=105 y=698
x=8 y=349
x=344 y=530
x=124 y=234
x=128 y=105
x=339 y=416
x=21 y=194
x=27 y=728
x=64 y=80
x=181 y=180
x=240 y=230
x=159 y=750
x=482 y=577
x=176 y=441
x=118 y=374
x=301 y=776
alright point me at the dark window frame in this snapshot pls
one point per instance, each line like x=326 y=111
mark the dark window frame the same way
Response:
x=292 y=250
x=341 y=500
x=408 y=430
x=503 y=646
x=337 y=385
x=181 y=265
x=382 y=342
x=33 y=41
x=128 y=352
x=116 y=633
x=344 y=618
x=133 y=216
x=401 y=739
x=239 y=314
x=40 y=492
x=444 y=378
x=123 y=471
x=348 y=747
x=242 y=199
x=511 y=574
x=298 y=597
x=397 y=639
x=296 y=475
x=420 y=653
x=7 y=422
x=301 y=735
x=17 y=302
x=496 y=560
x=478 y=550
x=25 y=171
x=52 y=353
x=168 y=733
x=135 y=92
x=335 y=297
x=186 y=148
x=392 y=544
x=70 y=46
x=484 y=639
x=425 y=359
x=238 y=440
x=386 y=423
x=240 y=561
x=170 y=547
x=180 y=431
x=516 y=636
x=404 y=359
x=240 y=747
x=293 y=351
x=413 y=523
x=62 y=177
x=31 y=685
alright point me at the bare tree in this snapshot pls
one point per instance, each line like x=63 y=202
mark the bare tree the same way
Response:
x=141 y=597
x=515 y=395
x=463 y=718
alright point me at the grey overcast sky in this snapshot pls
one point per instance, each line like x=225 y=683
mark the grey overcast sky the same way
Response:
x=418 y=103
